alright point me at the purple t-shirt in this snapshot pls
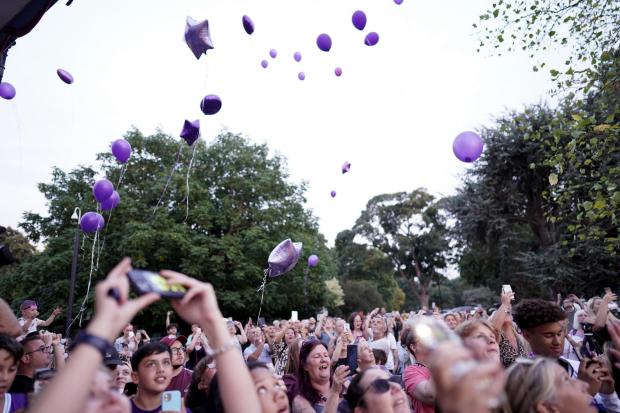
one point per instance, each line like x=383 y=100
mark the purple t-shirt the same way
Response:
x=17 y=401
x=181 y=382
x=136 y=409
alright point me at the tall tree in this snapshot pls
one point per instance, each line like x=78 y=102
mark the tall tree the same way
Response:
x=241 y=206
x=410 y=229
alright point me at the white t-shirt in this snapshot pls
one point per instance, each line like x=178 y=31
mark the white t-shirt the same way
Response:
x=32 y=328
x=265 y=357
x=118 y=344
x=385 y=345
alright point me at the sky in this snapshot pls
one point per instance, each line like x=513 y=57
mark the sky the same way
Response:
x=393 y=113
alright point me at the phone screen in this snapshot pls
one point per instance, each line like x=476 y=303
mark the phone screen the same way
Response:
x=171 y=401
x=352 y=357
x=146 y=282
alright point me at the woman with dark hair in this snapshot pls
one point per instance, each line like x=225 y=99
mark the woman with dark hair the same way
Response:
x=271 y=390
x=201 y=381
x=291 y=369
x=313 y=379
x=374 y=391
x=356 y=322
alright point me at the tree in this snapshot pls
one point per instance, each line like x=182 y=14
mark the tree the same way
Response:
x=19 y=246
x=587 y=30
x=410 y=229
x=240 y=207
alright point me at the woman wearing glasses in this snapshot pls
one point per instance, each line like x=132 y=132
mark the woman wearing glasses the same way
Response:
x=372 y=391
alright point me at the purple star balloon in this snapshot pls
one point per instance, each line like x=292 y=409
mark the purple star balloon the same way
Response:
x=121 y=149
x=7 y=91
x=359 y=20
x=301 y=75
x=197 y=36
x=264 y=64
x=324 y=42
x=284 y=257
x=333 y=194
x=297 y=56
x=248 y=25
x=346 y=167
x=338 y=71
x=65 y=76
x=467 y=146
x=211 y=104
x=273 y=53
x=372 y=39
x=191 y=131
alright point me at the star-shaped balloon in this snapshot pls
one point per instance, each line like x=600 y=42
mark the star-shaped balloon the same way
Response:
x=284 y=257
x=346 y=167
x=191 y=131
x=197 y=36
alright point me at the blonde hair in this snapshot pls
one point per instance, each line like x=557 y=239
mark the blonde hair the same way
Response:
x=468 y=327
x=529 y=383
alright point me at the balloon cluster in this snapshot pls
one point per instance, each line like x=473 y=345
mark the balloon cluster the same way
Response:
x=7 y=90
x=104 y=191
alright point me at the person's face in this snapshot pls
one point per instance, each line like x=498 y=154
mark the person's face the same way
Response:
x=271 y=331
x=289 y=336
x=395 y=396
x=546 y=340
x=571 y=395
x=312 y=322
x=172 y=331
x=178 y=354
x=329 y=324
x=257 y=335
x=30 y=312
x=231 y=328
x=194 y=328
x=318 y=363
x=365 y=354
x=154 y=373
x=128 y=329
x=451 y=322
x=122 y=376
x=339 y=327
x=568 y=305
x=581 y=318
x=357 y=322
x=596 y=304
x=37 y=354
x=483 y=344
x=8 y=370
x=378 y=327
x=103 y=399
x=271 y=391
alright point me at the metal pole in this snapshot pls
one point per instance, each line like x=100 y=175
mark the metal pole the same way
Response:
x=306 y=292
x=76 y=243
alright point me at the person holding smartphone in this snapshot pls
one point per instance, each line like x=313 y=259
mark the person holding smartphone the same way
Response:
x=511 y=344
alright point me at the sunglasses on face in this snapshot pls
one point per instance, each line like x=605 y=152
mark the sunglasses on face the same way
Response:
x=379 y=386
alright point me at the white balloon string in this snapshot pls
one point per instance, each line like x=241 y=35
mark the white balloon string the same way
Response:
x=189 y=168
x=90 y=278
x=262 y=294
x=174 y=167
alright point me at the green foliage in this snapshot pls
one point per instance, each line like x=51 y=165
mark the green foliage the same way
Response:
x=240 y=207
x=409 y=229
x=587 y=30
x=19 y=246
x=361 y=295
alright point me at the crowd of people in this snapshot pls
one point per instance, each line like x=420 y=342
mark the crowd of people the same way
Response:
x=522 y=356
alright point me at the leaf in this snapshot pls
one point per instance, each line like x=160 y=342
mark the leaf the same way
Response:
x=600 y=204
x=554 y=72
x=602 y=128
x=576 y=117
x=495 y=12
x=587 y=205
x=553 y=179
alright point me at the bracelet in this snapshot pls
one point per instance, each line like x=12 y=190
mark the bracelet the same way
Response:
x=99 y=343
x=217 y=351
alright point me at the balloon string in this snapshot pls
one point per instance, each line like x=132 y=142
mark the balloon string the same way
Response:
x=262 y=290
x=90 y=277
x=189 y=168
x=174 y=167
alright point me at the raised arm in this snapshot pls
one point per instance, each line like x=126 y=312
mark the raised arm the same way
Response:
x=367 y=320
x=603 y=311
x=319 y=326
x=242 y=336
x=168 y=318
x=51 y=318
x=497 y=319
x=8 y=322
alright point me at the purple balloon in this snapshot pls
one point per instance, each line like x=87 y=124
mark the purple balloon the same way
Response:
x=297 y=56
x=284 y=257
x=264 y=64
x=346 y=167
x=372 y=39
x=92 y=222
x=112 y=202
x=273 y=53
x=121 y=149
x=333 y=194
x=64 y=76
x=248 y=24
x=359 y=20
x=324 y=42
x=102 y=190
x=313 y=260
x=301 y=75
x=398 y=1
x=338 y=71
x=197 y=36
x=7 y=91
x=191 y=131
x=467 y=146
x=211 y=104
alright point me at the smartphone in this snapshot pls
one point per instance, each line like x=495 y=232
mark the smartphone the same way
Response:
x=352 y=357
x=433 y=305
x=150 y=282
x=261 y=322
x=347 y=327
x=131 y=334
x=506 y=289
x=294 y=315
x=171 y=401
x=41 y=378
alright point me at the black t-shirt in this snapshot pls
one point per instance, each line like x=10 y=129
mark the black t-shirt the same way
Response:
x=22 y=384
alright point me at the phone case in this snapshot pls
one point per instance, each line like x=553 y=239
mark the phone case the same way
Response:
x=145 y=282
x=171 y=401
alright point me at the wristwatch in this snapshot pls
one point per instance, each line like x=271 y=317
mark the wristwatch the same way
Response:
x=101 y=344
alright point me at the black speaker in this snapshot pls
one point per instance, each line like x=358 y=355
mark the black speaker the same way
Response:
x=6 y=257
